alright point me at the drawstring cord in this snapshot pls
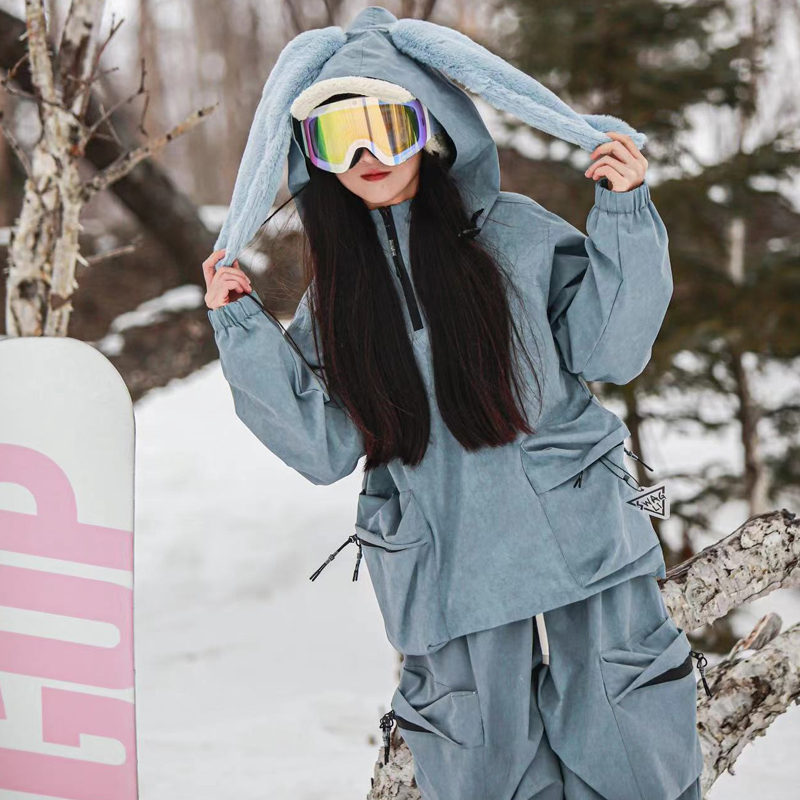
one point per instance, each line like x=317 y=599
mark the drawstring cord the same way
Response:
x=636 y=458
x=635 y=484
x=579 y=480
x=351 y=538
x=386 y=732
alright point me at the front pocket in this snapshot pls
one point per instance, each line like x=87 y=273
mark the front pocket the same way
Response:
x=586 y=504
x=650 y=685
x=400 y=558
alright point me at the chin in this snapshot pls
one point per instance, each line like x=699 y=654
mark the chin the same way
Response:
x=377 y=195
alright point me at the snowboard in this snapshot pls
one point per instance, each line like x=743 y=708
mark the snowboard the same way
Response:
x=67 y=715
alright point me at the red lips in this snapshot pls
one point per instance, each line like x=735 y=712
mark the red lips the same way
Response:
x=374 y=176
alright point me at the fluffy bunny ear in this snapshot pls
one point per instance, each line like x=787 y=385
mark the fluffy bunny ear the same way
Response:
x=268 y=142
x=502 y=85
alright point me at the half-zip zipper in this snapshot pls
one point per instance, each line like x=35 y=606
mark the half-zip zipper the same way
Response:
x=400 y=268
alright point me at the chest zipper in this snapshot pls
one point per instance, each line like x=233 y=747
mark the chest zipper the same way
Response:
x=400 y=269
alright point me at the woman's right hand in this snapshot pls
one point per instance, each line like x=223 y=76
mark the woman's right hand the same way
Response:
x=226 y=284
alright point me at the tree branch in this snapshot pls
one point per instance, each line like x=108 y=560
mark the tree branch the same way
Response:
x=41 y=64
x=748 y=695
x=123 y=165
x=760 y=556
x=16 y=148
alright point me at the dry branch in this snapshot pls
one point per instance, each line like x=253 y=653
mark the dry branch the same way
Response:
x=122 y=166
x=762 y=555
x=41 y=66
x=749 y=694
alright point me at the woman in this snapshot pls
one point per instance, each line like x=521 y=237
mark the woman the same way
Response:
x=447 y=334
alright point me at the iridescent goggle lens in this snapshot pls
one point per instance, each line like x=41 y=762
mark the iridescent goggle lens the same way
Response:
x=392 y=132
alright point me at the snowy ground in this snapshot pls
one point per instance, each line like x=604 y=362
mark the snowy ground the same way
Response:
x=253 y=681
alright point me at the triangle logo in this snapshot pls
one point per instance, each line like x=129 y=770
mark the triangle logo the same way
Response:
x=652 y=500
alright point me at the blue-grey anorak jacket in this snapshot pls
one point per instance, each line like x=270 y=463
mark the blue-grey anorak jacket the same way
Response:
x=466 y=541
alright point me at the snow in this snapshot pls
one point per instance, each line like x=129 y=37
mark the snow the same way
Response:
x=249 y=675
x=252 y=677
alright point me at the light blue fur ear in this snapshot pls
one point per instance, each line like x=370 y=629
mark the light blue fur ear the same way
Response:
x=502 y=85
x=267 y=148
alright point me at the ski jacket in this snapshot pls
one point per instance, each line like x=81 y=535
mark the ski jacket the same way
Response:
x=466 y=541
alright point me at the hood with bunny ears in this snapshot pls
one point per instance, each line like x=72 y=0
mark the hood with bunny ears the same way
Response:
x=382 y=56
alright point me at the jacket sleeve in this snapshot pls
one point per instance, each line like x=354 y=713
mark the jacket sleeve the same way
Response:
x=609 y=291
x=278 y=397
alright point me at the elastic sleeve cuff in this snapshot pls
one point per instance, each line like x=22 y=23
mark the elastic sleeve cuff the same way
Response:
x=233 y=313
x=621 y=202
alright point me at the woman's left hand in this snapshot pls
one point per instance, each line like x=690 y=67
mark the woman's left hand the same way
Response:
x=621 y=162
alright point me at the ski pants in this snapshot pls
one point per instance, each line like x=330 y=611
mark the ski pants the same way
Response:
x=612 y=716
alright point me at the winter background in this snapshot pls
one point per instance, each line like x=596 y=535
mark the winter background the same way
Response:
x=250 y=676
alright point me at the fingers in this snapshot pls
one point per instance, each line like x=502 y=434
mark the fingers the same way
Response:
x=620 y=161
x=626 y=142
x=618 y=181
x=209 y=265
x=230 y=278
x=225 y=284
x=615 y=149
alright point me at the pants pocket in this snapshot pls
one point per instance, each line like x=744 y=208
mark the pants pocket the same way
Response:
x=443 y=728
x=650 y=685
x=398 y=549
x=452 y=715
x=586 y=505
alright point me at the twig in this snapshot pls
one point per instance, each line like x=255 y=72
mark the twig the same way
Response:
x=123 y=165
x=90 y=132
x=86 y=82
x=145 y=106
x=16 y=149
x=114 y=28
x=114 y=253
x=13 y=71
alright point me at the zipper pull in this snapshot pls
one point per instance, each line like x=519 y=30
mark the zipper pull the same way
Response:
x=702 y=662
x=386 y=731
x=473 y=230
x=636 y=458
x=358 y=558
x=333 y=555
x=579 y=481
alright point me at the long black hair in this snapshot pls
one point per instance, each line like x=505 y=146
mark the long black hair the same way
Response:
x=369 y=361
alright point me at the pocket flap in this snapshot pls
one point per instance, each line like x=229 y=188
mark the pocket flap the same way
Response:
x=395 y=523
x=643 y=658
x=455 y=717
x=559 y=451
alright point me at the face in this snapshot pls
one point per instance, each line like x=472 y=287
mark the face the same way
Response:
x=393 y=185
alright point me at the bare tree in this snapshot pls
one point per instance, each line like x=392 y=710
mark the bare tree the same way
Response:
x=44 y=248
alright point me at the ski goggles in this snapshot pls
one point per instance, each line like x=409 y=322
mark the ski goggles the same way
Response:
x=391 y=131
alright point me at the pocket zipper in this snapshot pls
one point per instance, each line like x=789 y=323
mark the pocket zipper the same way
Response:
x=352 y=538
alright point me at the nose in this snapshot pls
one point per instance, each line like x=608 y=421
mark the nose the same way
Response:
x=367 y=156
